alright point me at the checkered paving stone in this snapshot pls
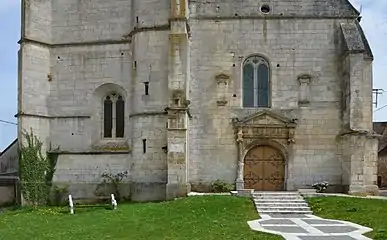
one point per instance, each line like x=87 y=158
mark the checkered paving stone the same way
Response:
x=327 y=238
x=309 y=227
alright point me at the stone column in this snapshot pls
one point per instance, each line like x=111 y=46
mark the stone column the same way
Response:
x=240 y=183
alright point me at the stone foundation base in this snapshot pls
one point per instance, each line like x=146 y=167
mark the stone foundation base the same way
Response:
x=134 y=191
x=372 y=190
x=240 y=185
x=244 y=192
x=146 y=192
x=175 y=190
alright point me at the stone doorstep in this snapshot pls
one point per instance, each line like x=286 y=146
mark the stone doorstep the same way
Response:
x=243 y=192
x=284 y=212
x=279 y=198
x=284 y=208
x=276 y=195
x=262 y=200
x=276 y=192
x=282 y=204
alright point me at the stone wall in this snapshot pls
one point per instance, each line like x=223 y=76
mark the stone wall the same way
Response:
x=382 y=168
x=293 y=47
x=89 y=21
x=74 y=53
x=7 y=195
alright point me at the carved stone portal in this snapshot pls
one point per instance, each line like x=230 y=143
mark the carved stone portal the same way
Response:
x=269 y=129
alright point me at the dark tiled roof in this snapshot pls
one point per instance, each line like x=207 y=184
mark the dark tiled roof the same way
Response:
x=9 y=146
x=355 y=40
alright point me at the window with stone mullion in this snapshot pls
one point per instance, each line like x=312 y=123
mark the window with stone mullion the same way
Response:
x=114 y=119
x=255 y=83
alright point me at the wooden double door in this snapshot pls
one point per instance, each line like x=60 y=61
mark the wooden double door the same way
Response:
x=264 y=169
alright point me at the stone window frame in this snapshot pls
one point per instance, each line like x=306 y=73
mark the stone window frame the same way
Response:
x=114 y=97
x=260 y=60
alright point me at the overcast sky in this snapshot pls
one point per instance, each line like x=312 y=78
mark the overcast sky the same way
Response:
x=374 y=22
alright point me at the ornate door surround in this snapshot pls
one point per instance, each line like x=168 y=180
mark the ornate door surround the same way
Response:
x=264 y=128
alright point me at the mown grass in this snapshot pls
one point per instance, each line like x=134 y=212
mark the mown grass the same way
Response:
x=193 y=218
x=367 y=212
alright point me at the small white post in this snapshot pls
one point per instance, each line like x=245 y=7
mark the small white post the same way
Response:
x=114 y=202
x=71 y=205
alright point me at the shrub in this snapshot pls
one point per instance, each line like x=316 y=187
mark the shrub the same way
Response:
x=219 y=186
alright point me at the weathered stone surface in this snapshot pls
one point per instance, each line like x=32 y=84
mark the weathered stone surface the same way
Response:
x=75 y=53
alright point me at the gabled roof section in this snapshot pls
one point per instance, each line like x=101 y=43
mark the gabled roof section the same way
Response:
x=350 y=5
x=355 y=40
x=9 y=146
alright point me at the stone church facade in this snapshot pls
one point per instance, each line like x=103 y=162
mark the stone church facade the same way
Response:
x=267 y=95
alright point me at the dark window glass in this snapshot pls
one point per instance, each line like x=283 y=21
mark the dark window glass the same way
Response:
x=107 y=117
x=263 y=86
x=248 y=85
x=120 y=117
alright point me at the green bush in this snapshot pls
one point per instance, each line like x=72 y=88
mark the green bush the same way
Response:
x=220 y=186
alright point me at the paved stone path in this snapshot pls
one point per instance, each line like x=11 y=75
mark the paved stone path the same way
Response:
x=308 y=227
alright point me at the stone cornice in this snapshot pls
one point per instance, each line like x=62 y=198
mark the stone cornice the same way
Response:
x=268 y=17
x=365 y=133
x=125 y=40
x=34 y=115
x=90 y=152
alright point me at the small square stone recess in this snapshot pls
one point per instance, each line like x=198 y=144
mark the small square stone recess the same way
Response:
x=321 y=221
x=277 y=221
x=326 y=238
x=286 y=229
x=336 y=229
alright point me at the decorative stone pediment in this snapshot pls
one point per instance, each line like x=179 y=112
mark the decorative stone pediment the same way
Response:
x=264 y=124
x=265 y=118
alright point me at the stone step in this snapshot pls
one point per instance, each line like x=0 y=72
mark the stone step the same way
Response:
x=276 y=193
x=287 y=198
x=292 y=208
x=284 y=212
x=279 y=200
x=279 y=205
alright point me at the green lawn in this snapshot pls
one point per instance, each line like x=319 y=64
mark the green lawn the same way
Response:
x=367 y=212
x=209 y=217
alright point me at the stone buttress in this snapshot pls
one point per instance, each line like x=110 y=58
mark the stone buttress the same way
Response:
x=178 y=70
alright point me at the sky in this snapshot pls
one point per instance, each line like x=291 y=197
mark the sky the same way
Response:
x=374 y=23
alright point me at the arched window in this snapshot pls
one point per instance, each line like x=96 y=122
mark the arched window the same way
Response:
x=256 y=82
x=113 y=116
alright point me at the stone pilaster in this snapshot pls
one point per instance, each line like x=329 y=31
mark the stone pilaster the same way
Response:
x=177 y=135
x=240 y=183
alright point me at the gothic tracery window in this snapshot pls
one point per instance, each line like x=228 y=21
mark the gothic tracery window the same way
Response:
x=113 y=116
x=256 y=83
